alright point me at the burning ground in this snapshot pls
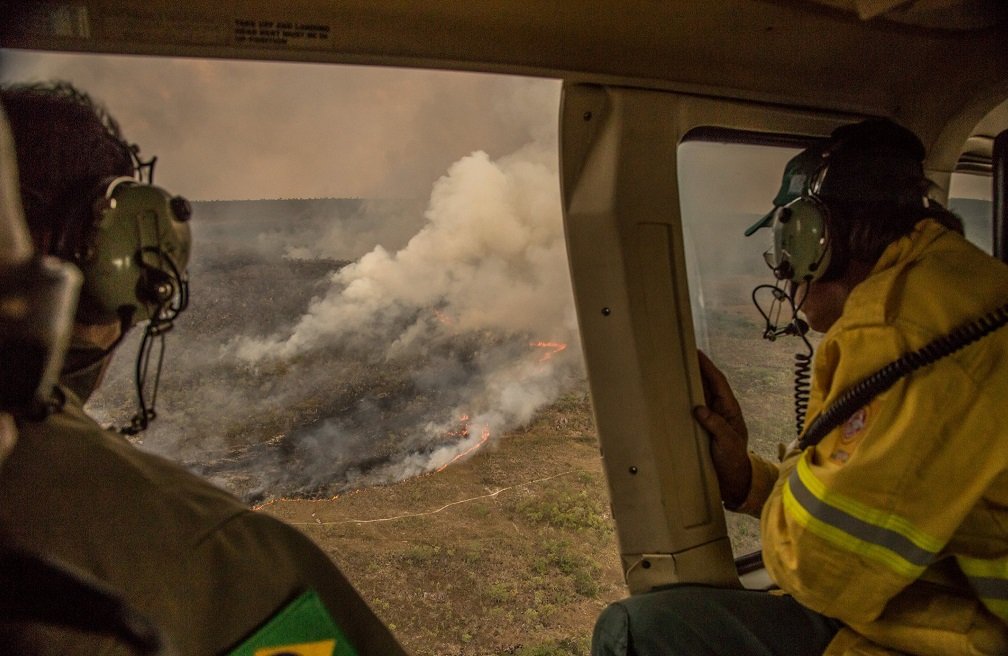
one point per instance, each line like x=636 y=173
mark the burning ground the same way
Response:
x=343 y=343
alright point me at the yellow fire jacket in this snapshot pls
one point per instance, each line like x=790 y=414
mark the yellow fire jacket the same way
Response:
x=897 y=521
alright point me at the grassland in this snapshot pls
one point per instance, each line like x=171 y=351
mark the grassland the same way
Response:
x=509 y=552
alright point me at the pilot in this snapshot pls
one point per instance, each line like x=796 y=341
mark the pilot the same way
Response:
x=885 y=525
x=214 y=576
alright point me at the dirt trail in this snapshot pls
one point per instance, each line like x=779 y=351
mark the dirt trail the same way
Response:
x=509 y=552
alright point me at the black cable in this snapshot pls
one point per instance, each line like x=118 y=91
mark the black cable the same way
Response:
x=865 y=390
x=771 y=331
x=802 y=386
x=146 y=412
x=160 y=323
x=795 y=327
x=157 y=373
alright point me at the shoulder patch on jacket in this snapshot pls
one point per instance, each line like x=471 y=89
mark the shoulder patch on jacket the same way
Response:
x=850 y=434
x=855 y=425
x=301 y=628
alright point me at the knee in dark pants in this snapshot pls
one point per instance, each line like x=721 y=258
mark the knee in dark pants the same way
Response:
x=611 y=634
x=691 y=620
x=649 y=624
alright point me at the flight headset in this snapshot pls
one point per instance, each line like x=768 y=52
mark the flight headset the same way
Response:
x=801 y=252
x=133 y=256
x=804 y=251
x=801 y=249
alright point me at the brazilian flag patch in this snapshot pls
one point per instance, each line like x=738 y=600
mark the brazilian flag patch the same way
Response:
x=302 y=628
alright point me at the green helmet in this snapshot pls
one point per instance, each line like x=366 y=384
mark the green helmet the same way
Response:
x=134 y=261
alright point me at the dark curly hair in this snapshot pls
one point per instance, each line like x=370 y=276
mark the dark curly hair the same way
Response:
x=66 y=145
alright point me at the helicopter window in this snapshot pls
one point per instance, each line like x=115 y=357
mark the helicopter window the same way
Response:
x=380 y=345
x=970 y=197
x=724 y=188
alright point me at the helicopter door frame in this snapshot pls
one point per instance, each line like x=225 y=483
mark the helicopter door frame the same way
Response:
x=625 y=243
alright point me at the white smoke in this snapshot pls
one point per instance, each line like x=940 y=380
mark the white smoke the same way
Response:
x=490 y=257
x=489 y=262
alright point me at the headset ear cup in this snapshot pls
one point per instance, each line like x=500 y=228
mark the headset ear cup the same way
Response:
x=135 y=261
x=801 y=243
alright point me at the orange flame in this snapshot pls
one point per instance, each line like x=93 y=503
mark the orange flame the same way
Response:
x=463 y=429
x=464 y=433
x=555 y=347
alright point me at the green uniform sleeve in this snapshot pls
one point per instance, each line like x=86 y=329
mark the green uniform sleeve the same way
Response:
x=254 y=564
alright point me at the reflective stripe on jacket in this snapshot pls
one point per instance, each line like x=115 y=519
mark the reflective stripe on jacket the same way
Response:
x=897 y=522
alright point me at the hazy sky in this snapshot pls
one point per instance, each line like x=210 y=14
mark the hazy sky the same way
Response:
x=236 y=129
x=239 y=129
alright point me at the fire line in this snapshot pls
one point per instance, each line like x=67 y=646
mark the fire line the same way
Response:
x=484 y=436
x=554 y=348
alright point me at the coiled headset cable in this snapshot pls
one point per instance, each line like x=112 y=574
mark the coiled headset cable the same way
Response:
x=795 y=326
x=802 y=384
x=865 y=390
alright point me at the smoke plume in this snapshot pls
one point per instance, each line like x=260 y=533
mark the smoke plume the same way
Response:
x=477 y=306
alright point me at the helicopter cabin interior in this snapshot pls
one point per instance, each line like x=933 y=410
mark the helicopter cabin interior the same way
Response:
x=655 y=95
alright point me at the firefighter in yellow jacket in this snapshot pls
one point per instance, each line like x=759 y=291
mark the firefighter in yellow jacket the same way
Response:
x=211 y=575
x=887 y=527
